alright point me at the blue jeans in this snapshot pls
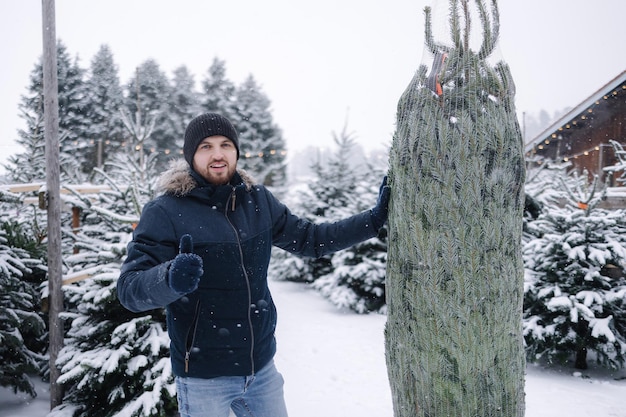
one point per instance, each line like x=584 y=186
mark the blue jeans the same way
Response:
x=259 y=395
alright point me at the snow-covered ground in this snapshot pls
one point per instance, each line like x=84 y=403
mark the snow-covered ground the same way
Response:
x=334 y=365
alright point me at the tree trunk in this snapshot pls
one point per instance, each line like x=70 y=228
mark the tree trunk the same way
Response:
x=582 y=332
x=454 y=273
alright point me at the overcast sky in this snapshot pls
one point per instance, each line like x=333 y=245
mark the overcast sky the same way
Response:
x=320 y=62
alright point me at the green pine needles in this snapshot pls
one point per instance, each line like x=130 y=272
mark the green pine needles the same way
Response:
x=455 y=271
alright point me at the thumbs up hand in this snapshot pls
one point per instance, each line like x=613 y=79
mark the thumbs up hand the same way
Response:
x=186 y=269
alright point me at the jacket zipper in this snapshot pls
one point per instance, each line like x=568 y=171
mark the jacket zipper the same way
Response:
x=247 y=278
x=192 y=329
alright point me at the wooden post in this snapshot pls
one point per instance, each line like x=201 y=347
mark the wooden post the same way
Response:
x=75 y=224
x=99 y=151
x=51 y=134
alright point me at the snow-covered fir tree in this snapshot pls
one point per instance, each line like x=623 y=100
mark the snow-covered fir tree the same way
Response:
x=619 y=169
x=543 y=187
x=30 y=165
x=75 y=145
x=332 y=188
x=114 y=362
x=353 y=278
x=105 y=131
x=22 y=325
x=262 y=146
x=184 y=106
x=544 y=181
x=327 y=197
x=357 y=279
x=148 y=94
x=575 y=289
x=217 y=91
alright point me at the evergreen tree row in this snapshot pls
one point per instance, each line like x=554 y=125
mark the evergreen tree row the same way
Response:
x=121 y=140
x=99 y=117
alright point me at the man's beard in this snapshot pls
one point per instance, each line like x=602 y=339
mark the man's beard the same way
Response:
x=220 y=178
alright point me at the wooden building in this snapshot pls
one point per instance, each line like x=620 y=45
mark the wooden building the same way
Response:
x=582 y=136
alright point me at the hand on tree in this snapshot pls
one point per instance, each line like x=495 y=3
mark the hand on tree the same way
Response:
x=380 y=211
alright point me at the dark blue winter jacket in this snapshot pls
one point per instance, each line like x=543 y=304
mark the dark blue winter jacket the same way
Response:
x=225 y=327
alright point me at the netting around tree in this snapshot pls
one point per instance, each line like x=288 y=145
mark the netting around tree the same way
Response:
x=455 y=273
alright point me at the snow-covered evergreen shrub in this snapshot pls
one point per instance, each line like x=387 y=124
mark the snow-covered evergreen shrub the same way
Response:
x=575 y=289
x=114 y=362
x=544 y=182
x=355 y=277
x=328 y=196
x=358 y=277
x=543 y=187
x=619 y=169
x=22 y=326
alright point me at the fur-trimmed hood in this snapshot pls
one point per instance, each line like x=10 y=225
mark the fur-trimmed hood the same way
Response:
x=179 y=179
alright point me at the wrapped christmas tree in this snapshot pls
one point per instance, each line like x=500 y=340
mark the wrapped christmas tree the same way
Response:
x=455 y=273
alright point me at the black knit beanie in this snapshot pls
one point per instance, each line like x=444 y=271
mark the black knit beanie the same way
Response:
x=203 y=126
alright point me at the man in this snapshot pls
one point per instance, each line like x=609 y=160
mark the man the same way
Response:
x=202 y=249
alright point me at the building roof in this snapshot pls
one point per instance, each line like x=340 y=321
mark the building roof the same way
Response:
x=613 y=87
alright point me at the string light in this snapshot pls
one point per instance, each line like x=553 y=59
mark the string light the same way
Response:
x=574 y=122
x=247 y=155
x=576 y=156
x=583 y=153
